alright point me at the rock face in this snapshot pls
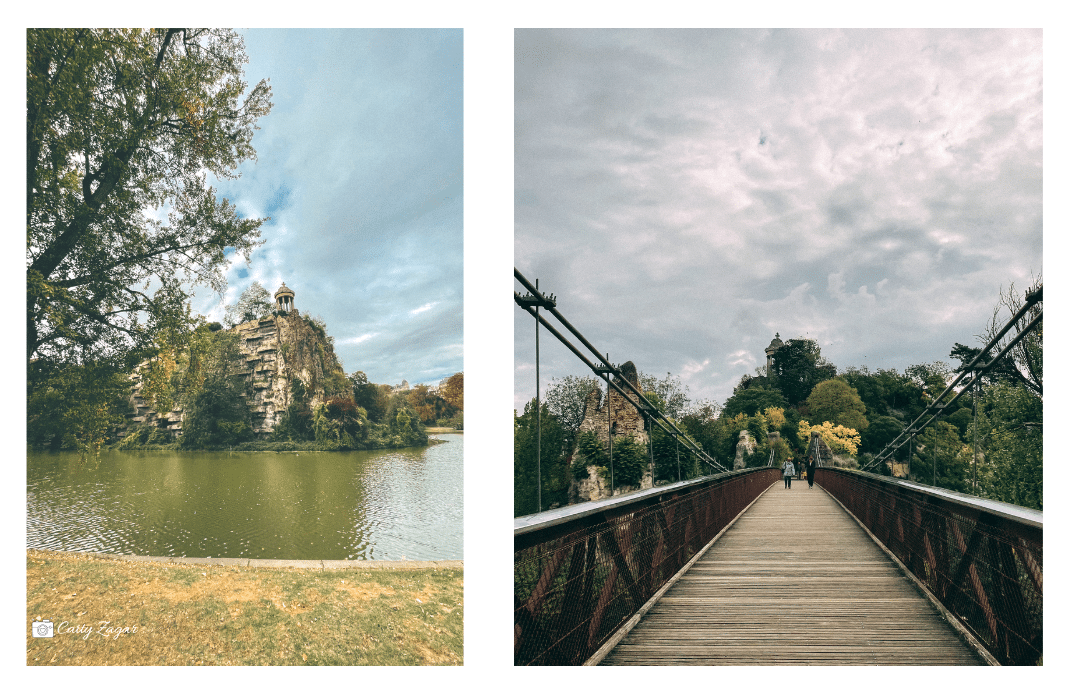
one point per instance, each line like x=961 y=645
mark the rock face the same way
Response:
x=746 y=446
x=277 y=349
x=626 y=421
x=274 y=350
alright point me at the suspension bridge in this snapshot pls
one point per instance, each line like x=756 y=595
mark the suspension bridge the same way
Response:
x=735 y=569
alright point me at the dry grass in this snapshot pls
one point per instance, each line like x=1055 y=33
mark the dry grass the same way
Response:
x=179 y=614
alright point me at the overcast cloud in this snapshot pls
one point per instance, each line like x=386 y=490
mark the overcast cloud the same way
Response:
x=360 y=169
x=688 y=194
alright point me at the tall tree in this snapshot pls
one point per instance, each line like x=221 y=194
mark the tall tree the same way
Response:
x=565 y=399
x=121 y=126
x=941 y=459
x=254 y=303
x=799 y=367
x=671 y=391
x=553 y=469
x=753 y=400
x=452 y=390
x=836 y=401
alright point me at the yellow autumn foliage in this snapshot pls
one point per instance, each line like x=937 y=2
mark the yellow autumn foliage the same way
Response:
x=774 y=418
x=836 y=437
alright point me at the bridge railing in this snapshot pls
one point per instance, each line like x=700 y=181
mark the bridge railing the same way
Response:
x=582 y=571
x=981 y=559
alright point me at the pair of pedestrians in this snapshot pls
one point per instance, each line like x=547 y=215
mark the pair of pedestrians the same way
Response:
x=789 y=472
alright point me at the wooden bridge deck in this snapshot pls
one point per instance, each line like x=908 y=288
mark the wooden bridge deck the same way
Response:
x=795 y=581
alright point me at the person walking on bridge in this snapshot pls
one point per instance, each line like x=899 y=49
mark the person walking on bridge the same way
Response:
x=811 y=466
x=789 y=471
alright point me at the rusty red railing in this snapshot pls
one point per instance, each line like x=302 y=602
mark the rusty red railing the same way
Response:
x=981 y=559
x=580 y=572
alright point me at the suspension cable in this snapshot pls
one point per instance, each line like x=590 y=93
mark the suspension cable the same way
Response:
x=533 y=300
x=972 y=370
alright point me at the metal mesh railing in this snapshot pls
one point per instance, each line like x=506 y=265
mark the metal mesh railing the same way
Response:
x=982 y=562
x=577 y=579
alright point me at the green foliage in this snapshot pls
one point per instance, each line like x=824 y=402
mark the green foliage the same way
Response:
x=405 y=422
x=799 y=367
x=215 y=410
x=554 y=479
x=751 y=401
x=630 y=460
x=941 y=458
x=671 y=391
x=760 y=457
x=565 y=398
x=121 y=121
x=589 y=452
x=373 y=398
x=1010 y=444
x=254 y=303
x=74 y=406
x=216 y=415
x=836 y=401
x=146 y=436
x=338 y=424
x=671 y=460
x=881 y=430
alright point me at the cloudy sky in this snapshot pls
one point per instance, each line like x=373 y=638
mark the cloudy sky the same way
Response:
x=689 y=194
x=360 y=169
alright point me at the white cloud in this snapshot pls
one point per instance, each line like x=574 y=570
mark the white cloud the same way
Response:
x=691 y=193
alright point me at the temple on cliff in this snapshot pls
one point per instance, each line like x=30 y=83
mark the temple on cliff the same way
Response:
x=274 y=350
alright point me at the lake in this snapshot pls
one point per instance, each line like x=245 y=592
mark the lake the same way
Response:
x=385 y=504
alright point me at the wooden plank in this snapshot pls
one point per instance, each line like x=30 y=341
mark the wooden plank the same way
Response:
x=793 y=582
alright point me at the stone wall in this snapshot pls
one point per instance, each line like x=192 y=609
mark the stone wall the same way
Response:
x=625 y=421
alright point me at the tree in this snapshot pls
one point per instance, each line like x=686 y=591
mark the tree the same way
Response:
x=799 y=367
x=753 y=400
x=208 y=389
x=554 y=475
x=670 y=463
x=837 y=437
x=373 y=398
x=834 y=400
x=1010 y=445
x=423 y=400
x=671 y=391
x=1022 y=365
x=404 y=421
x=452 y=390
x=120 y=123
x=565 y=399
x=254 y=303
x=74 y=406
x=881 y=430
x=941 y=458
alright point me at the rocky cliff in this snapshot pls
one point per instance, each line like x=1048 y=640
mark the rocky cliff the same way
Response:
x=274 y=351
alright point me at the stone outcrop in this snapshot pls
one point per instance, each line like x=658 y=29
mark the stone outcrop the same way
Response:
x=745 y=448
x=625 y=421
x=276 y=349
x=273 y=351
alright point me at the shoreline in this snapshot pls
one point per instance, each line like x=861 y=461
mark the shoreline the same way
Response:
x=323 y=564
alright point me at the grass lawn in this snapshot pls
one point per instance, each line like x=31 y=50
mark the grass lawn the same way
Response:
x=110 y=612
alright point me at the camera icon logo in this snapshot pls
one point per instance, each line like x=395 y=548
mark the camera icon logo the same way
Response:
x=42 y=629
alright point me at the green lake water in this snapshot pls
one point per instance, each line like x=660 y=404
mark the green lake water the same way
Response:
x=385 y=504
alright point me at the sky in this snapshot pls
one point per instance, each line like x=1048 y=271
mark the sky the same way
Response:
x=689 y=194
x=360 y=169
